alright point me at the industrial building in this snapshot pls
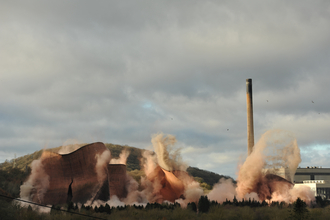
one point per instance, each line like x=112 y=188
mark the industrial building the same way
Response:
x=317 y=178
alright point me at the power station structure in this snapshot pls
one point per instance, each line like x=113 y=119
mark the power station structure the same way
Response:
x=79 y=176
x=85 y=175
x=173 y=183
x=250 y=129
x=267 y=183
x=317 y=178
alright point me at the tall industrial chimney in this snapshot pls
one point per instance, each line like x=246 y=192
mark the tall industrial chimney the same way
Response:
x=250 y=132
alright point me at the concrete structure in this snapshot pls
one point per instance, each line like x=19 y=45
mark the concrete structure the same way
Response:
x=250 y=130
x=117 y=180
x=173 y=183
x=316 y=177
x=86 y=175
x=268 y=184
x=281 y=171
x=86 y=170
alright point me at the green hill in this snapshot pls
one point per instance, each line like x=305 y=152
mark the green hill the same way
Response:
x=13 y=173
x=133 y=160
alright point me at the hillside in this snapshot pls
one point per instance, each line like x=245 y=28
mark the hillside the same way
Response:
x=13 y=173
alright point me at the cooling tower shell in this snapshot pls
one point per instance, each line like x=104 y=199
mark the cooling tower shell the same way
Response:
x=271 y=183
x=117 y=180
x=172 y=182
x=79 y=166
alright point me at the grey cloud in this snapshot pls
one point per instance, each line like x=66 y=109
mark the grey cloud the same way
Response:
x=120 y=71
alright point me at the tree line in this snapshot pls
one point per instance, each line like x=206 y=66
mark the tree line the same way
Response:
x=203 y=209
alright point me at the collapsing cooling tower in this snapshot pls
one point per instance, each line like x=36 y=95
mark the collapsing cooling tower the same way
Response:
x=172 y=185
x=270 y=183
x=90 y=176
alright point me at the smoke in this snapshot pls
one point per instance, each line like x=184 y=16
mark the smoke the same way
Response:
x=224 y=189
x=70 y=146
x=166 y=176
x=102 y=160
x=281 y=150
x=122 y=157
x=303 y=192
x=151 y=183
x=113 y=202
x=166 y=179
x=134 y=196
x=149 y=162
x=267 y=173
x=275 y=151
x=192 y=193
x=37 y=184
x=168 y=158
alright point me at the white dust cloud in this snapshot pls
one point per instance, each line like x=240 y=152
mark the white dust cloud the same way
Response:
x=276 y=150
x=158 y=184
x=69 y=146
x=168 y=157
x=101 y=165
x=122 y=157
x=37 y=183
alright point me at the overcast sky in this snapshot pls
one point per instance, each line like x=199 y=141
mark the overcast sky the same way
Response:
x=120 y=71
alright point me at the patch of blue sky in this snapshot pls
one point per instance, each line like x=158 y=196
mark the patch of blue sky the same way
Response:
x=147 y=105
x=316 y=147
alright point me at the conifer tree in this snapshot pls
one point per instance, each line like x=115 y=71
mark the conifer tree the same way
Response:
x=203 y=204
x=300 y=210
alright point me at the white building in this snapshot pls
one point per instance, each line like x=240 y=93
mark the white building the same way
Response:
x=317 y=178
